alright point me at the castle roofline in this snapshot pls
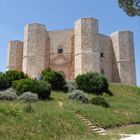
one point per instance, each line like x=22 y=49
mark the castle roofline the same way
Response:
x=59 y=30
x=88 y=18
x=35 y=23
x=121 y=31
x=20 y=41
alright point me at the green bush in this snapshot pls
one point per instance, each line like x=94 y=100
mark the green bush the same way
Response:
x=25 y=85
x=13 y=75
x=3 y=82
x=92 y=82
x=28 y=97
x=71 y=84
x=8 y=94
x=10 y=110
x=79 y=95
x=56 y=79
x=100 y=101
x=42 y=88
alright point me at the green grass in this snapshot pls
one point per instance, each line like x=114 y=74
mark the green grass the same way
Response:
x=47 y=120
x=128 y=129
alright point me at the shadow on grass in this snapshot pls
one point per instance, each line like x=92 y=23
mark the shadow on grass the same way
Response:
x=109 y=93
x=50 y=99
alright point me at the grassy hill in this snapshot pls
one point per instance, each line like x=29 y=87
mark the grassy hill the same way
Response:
x=47 y=120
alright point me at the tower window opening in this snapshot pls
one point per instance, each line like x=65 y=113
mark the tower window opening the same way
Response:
x=102 y=71
x=60 y=50
x=102 y=55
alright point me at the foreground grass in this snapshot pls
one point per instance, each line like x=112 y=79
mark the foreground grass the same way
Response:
x=41 y=121
x=47 y=120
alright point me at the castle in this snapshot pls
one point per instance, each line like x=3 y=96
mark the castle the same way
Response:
x=75 y=51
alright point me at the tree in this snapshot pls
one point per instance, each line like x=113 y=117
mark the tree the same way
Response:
x=131 y=7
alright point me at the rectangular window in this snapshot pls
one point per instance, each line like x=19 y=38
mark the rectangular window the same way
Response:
x=102 y=55
x=60 y=50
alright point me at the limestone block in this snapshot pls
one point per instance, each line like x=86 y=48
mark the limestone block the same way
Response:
x=87 y=45
x=35 y=49
x=62 y=61
x=15 y=55
x=106 y=62
x=123 y=46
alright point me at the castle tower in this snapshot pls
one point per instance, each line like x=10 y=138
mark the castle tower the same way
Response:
x=15 y=55
x=124 y=54
x=87 y=56
x=35 y=49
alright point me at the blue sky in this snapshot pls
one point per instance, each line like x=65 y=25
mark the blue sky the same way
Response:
x=61 y=14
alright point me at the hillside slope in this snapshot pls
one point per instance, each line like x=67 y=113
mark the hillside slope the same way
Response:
x=52 y=121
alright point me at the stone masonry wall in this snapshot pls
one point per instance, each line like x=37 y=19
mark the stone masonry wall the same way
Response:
x=35 y=49
x=87 y=56
x=15 y=55
x=106 y=60
x=75 y=51
x=62 y=61
x=124 y=53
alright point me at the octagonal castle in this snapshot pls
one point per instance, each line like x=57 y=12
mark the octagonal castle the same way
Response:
x=75 y=51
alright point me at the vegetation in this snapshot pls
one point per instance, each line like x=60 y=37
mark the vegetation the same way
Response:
x=100 y=101
x=56 y=79
x=31 y=120
x=21 y=120
x=28 y=97
x=14 y=75
x=8 y=94
x=131 y=7
x=3 y=81
x=71 y=84
x=42 y=88
x=93 y=83
x=79 y=95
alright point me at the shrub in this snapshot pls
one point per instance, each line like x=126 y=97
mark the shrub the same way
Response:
x=71 y=85
x=65 y=89
x=42 y=88
x=8 y=94
x=3 y=82
x=100 y=101
x=28 y=97
x=56 y=79
x=13 y=75
x=10 y=110
x=92 y=82
x=25 y=85
x=79 y=95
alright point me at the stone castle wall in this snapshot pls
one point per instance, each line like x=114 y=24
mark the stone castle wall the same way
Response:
x=124 y=53
x=15 y=55
x=87 y=56
x=62 y=61
x=106 y=61
x=75 y=51
x=35 y=49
